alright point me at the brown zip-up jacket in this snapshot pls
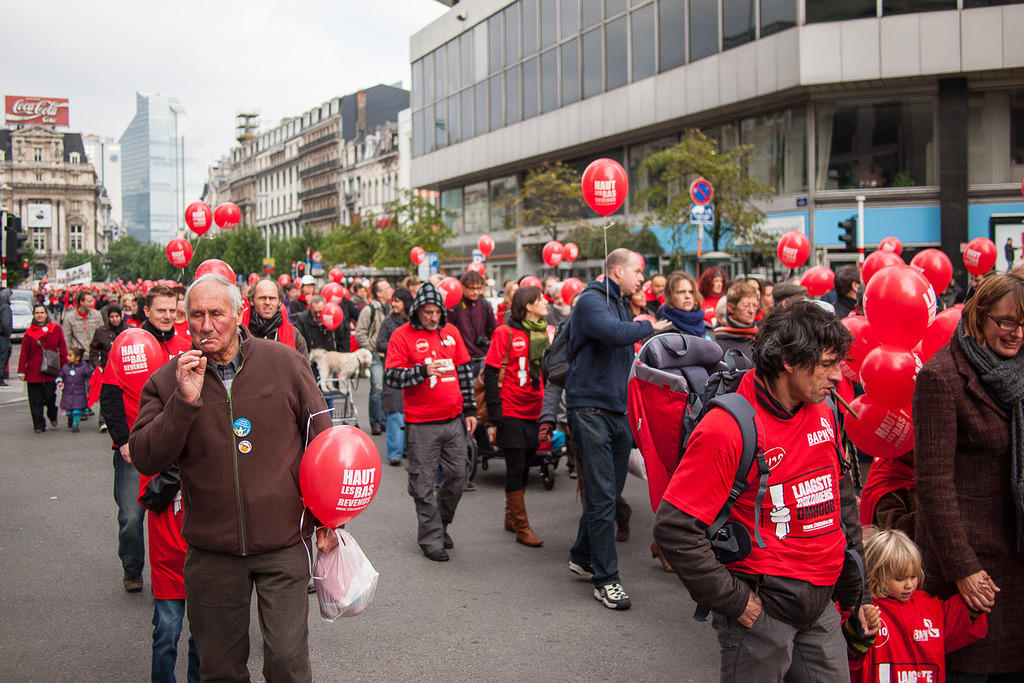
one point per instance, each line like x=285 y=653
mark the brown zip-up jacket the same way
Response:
x=239 y=454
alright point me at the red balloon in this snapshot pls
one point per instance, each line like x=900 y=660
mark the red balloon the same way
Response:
x=417 y=254
x=339 y=474
x=570 y=288
x=332 y=315
x=227 y=215
x=605 y=185
x=215 y=265
x=793 y=249
x=864 y=340
x=198 y=217
x=531 y=281
x=876 y=261
x=980 y=255
x=570 y=251
x=486 y=245
x=891 y=244
x=477 y=266
x=940 y=331
x=145 y=287
x=646 y=289
x=284 y=279
x=134 y=356
x=818 y=280
x=935 y=266
x=879 y=431
x=451 y=290
x=888 y=374
x=179 y=252
x=336 y=275
x=332 y=292
x=253 y=278
x=900 y=305
x=552 y=253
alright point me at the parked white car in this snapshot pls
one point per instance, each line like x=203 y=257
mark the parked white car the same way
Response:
x=21 y=318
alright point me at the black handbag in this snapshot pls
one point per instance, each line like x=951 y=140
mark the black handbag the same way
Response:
x=161 y=490
x=50 y=364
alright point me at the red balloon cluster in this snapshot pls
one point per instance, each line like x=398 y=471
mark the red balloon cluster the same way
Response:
x=451 y=290
x=227 y=215
x=417 y=254
x=340 y=474
x=179 y=252
x=875 y=262
x=198 y=217
x=552 y=253
x=793 y=249
x=879 y=431
x=332 y=293
x=935 y=266
x=215 y=265
x=605 y=185
x=486 y=245
x=899 y=303
x=980 y=255
x=818 y=280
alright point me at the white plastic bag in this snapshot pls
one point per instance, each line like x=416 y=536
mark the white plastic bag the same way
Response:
x=637 y=466
x=345 y=579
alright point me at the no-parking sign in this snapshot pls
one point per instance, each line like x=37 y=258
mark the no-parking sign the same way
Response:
x=701 y=191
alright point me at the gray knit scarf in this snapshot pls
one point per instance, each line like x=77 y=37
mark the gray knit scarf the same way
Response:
x=1003 y=379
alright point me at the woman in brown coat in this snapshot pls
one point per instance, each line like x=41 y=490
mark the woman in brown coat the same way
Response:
x=969 y=449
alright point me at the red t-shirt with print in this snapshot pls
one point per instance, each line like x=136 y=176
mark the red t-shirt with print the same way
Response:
x=519 y=398
x=438 y=397
x=805 y=541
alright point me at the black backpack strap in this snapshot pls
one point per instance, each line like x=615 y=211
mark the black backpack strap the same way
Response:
x=741 y=410
x=844 y=464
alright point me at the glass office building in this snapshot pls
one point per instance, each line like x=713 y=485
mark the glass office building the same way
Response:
x=916 y=104
x=161 y=169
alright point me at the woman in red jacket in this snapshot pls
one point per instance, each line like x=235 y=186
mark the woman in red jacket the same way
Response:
x=43 y=333
x=514 y=358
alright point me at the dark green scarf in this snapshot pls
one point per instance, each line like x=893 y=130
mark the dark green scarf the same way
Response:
x=538 y=332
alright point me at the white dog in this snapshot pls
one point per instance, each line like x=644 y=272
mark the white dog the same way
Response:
x=344 y=366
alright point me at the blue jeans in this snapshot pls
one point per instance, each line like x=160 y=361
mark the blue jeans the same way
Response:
x=376 y=387
x=602 y=441
x=130 y=546
x=395 y=435
x=167 y=618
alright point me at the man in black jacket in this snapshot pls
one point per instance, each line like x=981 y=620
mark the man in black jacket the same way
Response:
x=316 y=334
x=6 y=330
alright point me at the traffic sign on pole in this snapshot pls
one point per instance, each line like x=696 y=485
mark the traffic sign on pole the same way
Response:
x=701 y=191
x=702 y=215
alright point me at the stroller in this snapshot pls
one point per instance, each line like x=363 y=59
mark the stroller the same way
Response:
x=546 y=458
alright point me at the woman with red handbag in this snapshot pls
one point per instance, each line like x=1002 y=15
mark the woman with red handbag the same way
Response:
x=39 y=369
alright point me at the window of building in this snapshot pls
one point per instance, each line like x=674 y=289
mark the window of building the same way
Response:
x=737 y=23
x=642 y=42
x=970 y=4
x=75 y=158
x=592 y=76
x=613 y=7
x=39 y=177
x=995 y=137
x=837 y=10
x=466 y=59
x=703 y=28
x=513 y=95
x=570 y=72
x=475 y=209
x=875 y=143
x=548 y=23
x=616 y=50
x=495 y=40
x=512 y=52
x=591 y=13
x=37 y=154
x=531 y=101
x=497 y=87
x=480 y=52
x=571 y=18
x=779 y=155
x=428 y=78
x=76 y=205
x=637 y=155
x=907 y=6
x=530 y=34
x=671 y=34
x=441 y=124
x=39 y=239
x=549 y=80
x=453 y=66
x=454 y=127
x=451 y=201
x=430 y=139
x=503 y=191
x=480 y=101
x=440 y=72
x=466 y=102
x=1017 y=128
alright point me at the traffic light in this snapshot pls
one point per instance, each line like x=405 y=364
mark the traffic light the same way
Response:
x=16 y=251
x=849 y=234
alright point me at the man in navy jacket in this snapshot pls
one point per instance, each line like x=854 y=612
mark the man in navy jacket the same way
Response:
x=601 y=346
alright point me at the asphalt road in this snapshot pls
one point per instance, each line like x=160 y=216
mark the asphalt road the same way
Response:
x=498 y=611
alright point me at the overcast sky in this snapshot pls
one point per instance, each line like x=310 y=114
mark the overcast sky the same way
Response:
x=218 y=57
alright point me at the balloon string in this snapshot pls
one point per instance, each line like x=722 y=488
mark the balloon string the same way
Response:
x=608 y=225
x=310 y=420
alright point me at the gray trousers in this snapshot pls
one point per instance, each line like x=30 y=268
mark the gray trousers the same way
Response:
x=773 y=651
x=429 y=445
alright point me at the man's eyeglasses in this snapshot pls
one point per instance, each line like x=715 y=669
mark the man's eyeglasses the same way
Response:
x=1005 y=324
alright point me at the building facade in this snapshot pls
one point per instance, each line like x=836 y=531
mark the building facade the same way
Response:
x=161 y=169
x=917 y=105
x=46 y=179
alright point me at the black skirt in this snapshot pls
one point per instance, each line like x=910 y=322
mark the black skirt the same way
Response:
x=514 y=432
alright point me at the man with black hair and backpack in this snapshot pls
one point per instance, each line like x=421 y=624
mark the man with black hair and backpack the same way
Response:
x=773 y=604
x=601 y=338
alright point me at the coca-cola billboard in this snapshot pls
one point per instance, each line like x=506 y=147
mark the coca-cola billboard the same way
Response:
x=45 y=111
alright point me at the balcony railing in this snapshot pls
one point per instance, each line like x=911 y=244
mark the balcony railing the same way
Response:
x=320 y=168
x=317 y=191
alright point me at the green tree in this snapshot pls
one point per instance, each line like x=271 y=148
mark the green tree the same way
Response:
x=550 y=199
x=667 y=176
x=77 y=258
x=412 y=221
x=590 y=239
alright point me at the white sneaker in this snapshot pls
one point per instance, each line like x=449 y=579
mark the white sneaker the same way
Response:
x=612 y=596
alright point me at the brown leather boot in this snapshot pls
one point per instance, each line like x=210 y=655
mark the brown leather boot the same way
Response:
x=510 y=524
x=524 y=534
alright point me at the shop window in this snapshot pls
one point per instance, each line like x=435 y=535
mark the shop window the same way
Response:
x=475 y=209
x=779 y=155
x=503 y=191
